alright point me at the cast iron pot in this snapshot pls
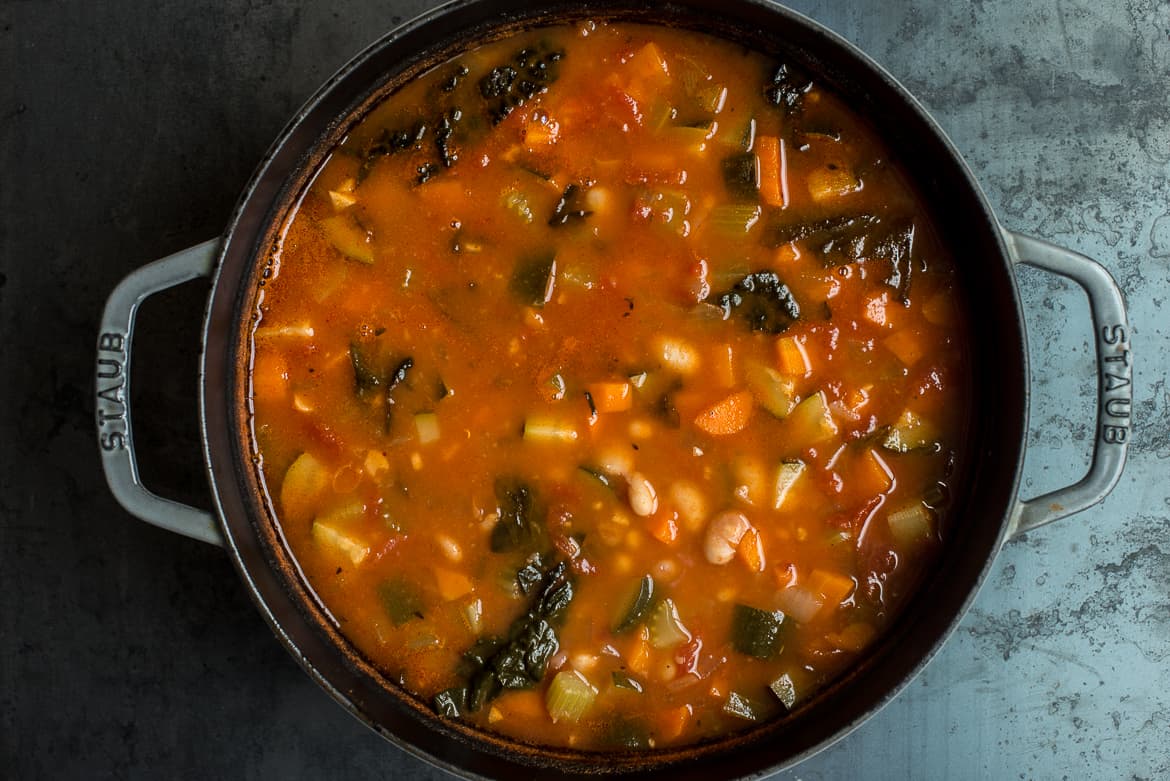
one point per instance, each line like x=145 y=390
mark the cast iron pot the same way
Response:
x=986 y=507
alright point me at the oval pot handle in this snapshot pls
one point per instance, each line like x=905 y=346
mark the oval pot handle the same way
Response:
x=112 y=388
x=1115 y=389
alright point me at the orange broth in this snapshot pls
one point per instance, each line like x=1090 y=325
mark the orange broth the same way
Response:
x=606 y=384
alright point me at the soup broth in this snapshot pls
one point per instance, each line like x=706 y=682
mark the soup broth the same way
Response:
x=605 y=386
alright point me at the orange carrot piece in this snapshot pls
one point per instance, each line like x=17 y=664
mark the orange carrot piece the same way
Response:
x=611 y=396
x=833 y=586
x=452 y=585
x=728 y=416
x=672 y=721
x=751 y=551
x=663 y=526
x=907 y=344
x=269 y=376
x=792 y=356
x=872 y=473
x=638 y=657
x=769 y=149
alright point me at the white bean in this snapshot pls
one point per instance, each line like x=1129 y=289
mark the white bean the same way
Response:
x=687 y=498
x=643 y=498
x=723 y=536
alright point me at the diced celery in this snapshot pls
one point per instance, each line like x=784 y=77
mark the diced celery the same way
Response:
x=569 y=696
x=659 y=116
x=733 y=219
x=427 y=426
x=911 y=524
x=911 y=432
x=545 y=428
x=348 y=237
x=400 y=600
x=775 y=392
x=711 y=97
x=691 y=138
x=786 y=477
x=517 y=203
x=666 y=629
x=331 y=536
x=832 y=182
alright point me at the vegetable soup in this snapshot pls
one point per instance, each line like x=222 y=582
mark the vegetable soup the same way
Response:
x=606 y=383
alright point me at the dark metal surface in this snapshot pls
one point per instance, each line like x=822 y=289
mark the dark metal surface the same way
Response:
x=126 y=651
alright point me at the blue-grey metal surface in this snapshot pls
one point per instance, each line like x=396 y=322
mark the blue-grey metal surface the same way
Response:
x=126 y=133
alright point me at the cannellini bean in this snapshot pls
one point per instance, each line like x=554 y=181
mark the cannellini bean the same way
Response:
x=688 y=500
x=723 y=536
x=643 y=498
x=450 y=548
x=678 y=355
x=615 y=461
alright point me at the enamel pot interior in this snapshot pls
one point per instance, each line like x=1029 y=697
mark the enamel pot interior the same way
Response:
x=987 y=469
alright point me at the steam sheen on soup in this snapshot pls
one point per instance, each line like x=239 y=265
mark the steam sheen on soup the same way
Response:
x=605 y=386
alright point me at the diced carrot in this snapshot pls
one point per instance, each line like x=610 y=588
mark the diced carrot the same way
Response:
x=792 y=357
x=833 y=586
x=751 y=551
x=452 y=585
x=773 y=187
x=638 y=656
x=269 y=376
x=672 y=721
x=872 y=474
x=663 y=526
x=611 y=396
x=523 y=705
x=723 y=366
x=728 y=416
x=541 y=130
x=907 y=344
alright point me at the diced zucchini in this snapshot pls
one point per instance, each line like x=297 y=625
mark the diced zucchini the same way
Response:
x=331 y=536
x=911 y=524
x=348 y=237
x=666 y=629
x=785 y=690
x=775 y=392
x=623 y=681
x=786 y=476
x=637 y=606
x=812 y=422
x=533 y=280
x=741 y=174
x=911 y=432
x=427 y=426
x=744 y=707
x=401 y=601
x=757 y=632
x=569 y=696
x=710 y=97
x=545 y=428
x=692 y=138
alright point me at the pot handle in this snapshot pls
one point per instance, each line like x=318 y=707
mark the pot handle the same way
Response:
x=112 y=389
x=1115 y=388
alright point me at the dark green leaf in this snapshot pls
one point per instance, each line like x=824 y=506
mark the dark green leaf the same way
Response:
x=638 y=606
x=762 y=301
x=741 y=174
x=520 y=523
x=451 y=702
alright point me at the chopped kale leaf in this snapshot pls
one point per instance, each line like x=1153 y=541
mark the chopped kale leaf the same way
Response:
x=762 y=301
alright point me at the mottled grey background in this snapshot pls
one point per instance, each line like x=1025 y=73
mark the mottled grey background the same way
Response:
x=127 y=131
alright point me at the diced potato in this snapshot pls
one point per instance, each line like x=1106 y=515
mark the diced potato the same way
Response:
x=349 y=238
x=677 y=355
x=811 y=422
x=341 y=541
x=426 y=424
x=907 y=344
x=832 y=182
x=341 y=200
x=786 y=476
x=305 y=483
x=911 y=524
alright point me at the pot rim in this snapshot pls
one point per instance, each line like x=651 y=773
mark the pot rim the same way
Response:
x=230 y=296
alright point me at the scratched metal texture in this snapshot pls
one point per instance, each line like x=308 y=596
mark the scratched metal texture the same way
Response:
x=126 y=132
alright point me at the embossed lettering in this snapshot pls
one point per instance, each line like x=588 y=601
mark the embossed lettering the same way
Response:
x=1116 y=435
x=111 y=342
x=1113 y=334
x=1123 y=358
x=109 y=369
x=105 y=417
x=114 y=440
x=1118 y=408
x=112 y=394
x=1113 y=382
